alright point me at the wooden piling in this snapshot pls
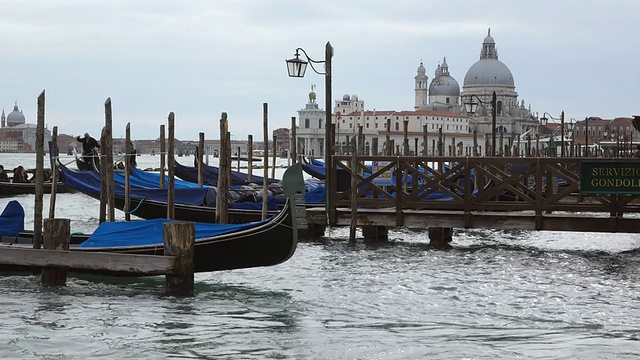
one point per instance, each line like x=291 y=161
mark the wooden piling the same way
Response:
x=265 y=185
x=273 y=163
x=375 y=232
x=405 y=142
x=222 y=203
x=475 y=143
x=54 y=172
x=440 y=142
x=108 y=160
x=57 y=233
x=294 y=141
x=103 y=180
x=179 y=241
x=199 y=158
x=388 y=147
x=162 y=156
x=374 y=147
x=127 y=172
x=39 y=191
x=425 y=140
x=250 y=155
x=354 y=191
x=171 y=196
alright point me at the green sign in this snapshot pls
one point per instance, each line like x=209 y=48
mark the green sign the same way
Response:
x=608 y=177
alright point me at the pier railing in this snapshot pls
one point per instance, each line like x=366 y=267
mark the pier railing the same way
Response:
x=470 y=185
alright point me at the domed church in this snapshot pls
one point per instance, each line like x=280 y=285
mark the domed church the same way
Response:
x=484 y=77
x=444 y=91
x=16 y=135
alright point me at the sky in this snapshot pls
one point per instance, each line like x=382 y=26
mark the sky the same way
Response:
x=199 y=59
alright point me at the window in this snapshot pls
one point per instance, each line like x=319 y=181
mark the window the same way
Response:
x=306 y=123
x=397 y=126
x=319 y=123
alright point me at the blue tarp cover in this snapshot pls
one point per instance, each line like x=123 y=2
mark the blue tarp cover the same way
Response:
x=89 y=182
x=210 y=175
x=12 y=219
x=150 y=232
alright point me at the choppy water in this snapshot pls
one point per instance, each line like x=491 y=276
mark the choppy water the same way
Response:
x=496 y=295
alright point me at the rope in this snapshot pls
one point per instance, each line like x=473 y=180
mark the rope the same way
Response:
x=136 y=208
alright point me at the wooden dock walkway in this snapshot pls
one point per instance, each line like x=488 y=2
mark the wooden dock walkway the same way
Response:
x=526 y=193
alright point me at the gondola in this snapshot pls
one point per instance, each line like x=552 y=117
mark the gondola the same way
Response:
x=217 y=247
x=12 y=189
x=192 y=204
x=210 y=175
x=314 y=168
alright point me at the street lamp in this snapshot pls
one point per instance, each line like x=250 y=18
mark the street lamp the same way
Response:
x=296 y=68
x=471 y=108
x=571 y=127
x=544 y=119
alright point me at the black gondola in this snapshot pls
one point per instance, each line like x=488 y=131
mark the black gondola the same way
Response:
x=264 y=243
x=12 y=189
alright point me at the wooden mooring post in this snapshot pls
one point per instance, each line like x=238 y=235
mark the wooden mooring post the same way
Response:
x=57 y=233
x=179 y=241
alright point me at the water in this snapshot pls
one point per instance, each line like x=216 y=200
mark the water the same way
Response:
x=496 y=295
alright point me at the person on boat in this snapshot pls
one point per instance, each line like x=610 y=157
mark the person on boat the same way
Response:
x=3 y=175
x=88 y=144
x=20 y=175
x=636 y=154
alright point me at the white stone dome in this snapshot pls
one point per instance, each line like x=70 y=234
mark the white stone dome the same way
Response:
x=489 y=71
x=16 y=117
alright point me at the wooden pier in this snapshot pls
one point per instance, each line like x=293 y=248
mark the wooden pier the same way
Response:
x=55 y=260
x=526 y=193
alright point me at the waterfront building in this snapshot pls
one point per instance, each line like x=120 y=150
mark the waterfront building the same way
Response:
x=438 y=105
x=16 y=135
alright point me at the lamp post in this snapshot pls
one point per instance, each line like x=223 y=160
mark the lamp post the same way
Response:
x=296 y=68
x=471 y=108
x=545 y=119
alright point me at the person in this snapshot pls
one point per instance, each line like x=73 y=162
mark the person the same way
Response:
x=88 y=144
x=20 y=175
x=3 y=175
x=636 y=154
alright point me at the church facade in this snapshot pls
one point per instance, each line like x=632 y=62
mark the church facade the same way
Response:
x=16 y=135
x=438 y=107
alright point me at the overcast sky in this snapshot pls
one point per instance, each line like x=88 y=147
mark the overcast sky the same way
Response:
x=201 y=58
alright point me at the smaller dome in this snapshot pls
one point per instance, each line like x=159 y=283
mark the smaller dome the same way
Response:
x=15 y=117
x=444 y=85
x=489 y=39
x=346 y=97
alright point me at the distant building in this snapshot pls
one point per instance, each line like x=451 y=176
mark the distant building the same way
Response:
x=16 y=135
x=438 y=106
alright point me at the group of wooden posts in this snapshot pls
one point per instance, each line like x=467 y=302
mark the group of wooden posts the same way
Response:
x=510 y=147
x=55 y=259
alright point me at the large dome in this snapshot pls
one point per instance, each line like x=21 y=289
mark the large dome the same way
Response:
x=489 y=71
x=16 y=117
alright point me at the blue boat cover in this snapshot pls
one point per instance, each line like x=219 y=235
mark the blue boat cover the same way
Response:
x=314 y=169
x=89 y=182
x=210 y=175
x=187 y=194
x=151 y=180
x=150 y=232
x=12 y=219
